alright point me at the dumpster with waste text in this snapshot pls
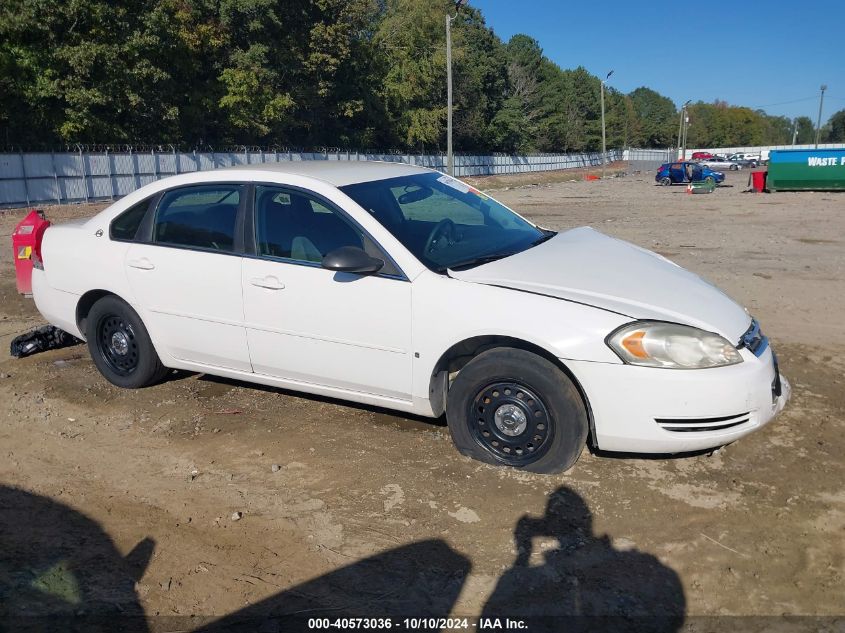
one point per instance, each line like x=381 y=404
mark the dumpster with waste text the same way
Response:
x=806 y=169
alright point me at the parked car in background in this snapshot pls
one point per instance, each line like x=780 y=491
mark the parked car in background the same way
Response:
x=721 y=164
x=702 y=155
x=746 y=160
x=401 y=287
x=687 y=171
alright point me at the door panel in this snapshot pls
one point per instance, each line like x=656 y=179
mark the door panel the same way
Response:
x=191 y=303
x=309 y=324
x=186 y=276
x=334 y=329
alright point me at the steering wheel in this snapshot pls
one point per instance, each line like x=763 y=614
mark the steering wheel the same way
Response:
x=444 y=228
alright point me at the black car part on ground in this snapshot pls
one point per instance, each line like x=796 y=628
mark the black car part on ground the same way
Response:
x=41 y=339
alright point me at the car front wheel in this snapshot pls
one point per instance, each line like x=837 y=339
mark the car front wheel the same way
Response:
x=514 y=408
x=665 y=181
x=120 y=345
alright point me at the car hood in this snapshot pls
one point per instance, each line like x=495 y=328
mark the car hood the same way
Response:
x=586 y=266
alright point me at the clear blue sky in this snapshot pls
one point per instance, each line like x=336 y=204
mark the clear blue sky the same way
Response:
x=747 y=52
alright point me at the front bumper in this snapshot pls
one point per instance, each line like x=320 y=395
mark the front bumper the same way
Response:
x=649 y=410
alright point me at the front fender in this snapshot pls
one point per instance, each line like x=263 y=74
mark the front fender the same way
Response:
x=447 y=311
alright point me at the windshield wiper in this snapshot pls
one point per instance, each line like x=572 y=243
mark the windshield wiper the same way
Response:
x=547 y=235
x=476 y=261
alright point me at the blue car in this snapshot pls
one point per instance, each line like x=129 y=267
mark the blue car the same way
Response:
x=683 y=172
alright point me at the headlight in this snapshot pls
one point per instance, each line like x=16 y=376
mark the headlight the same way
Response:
x=671 y=346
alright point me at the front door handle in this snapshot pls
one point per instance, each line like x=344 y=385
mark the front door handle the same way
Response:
x=270 y=282
x=141 y=264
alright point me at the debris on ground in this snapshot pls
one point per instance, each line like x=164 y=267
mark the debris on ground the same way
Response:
x=41 y=339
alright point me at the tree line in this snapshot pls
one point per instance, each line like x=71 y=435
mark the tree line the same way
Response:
x=339 y=73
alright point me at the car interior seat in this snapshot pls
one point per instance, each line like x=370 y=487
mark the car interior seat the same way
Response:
x=291 y=228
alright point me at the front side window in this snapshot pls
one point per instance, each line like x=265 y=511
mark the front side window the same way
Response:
x=203 y=216
x=293 y=225
x=444 y=222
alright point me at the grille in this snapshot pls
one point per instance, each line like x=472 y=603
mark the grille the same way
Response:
x=754 y=339
x=699 y=425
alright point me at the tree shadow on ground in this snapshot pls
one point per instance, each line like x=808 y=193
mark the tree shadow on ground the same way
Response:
x=422 y=579
x=58 y=567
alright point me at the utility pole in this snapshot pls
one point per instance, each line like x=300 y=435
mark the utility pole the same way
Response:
x=819 y=123
x=681 y=125
x=686 y=129
x=603 y=135
x=450 y=159
x=794 y=131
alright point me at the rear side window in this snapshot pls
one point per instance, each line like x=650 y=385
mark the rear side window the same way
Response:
x=204 y=217
x=125 y=226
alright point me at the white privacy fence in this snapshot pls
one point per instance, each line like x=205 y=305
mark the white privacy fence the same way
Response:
x=763 y=150
x=647 y=159
x=82 y=176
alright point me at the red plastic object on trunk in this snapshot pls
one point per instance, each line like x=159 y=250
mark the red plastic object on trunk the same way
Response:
x=26 y=242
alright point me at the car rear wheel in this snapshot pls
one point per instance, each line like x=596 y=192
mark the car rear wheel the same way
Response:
x=120 y=345
x=511 y=407
x=665 y=181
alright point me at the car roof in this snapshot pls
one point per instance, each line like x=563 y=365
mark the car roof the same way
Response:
x=336 y=172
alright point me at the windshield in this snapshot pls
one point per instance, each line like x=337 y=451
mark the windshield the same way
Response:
x=444 y=222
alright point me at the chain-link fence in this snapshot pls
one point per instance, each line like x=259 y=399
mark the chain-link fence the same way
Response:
x=84 y=176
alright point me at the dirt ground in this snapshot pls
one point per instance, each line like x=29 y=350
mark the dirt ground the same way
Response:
x=127 y=502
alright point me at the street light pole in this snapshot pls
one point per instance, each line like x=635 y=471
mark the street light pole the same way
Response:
x=681 y=125
x=450 y=166
x=819 y=123
x=450 y=159
x=603 y=135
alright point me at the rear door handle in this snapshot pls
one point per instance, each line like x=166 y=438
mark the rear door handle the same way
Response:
x=271 y=283
x=141 y=264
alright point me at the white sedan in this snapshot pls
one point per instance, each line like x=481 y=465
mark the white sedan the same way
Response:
x=404 y=288
x=722 y=164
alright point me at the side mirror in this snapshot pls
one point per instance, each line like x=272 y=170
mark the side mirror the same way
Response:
x=351 y=259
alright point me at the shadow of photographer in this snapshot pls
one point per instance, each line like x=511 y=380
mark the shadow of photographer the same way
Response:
x=583 y=580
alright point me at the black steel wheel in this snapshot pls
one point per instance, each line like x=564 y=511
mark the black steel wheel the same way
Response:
x=120 y=345
x=510 y=421
x=514 y=408
x=117 y=344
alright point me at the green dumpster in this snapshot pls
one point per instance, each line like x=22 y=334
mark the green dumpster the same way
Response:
x=806 y=169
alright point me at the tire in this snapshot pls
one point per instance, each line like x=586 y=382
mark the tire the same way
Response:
x=734 y=167
x=665 y=181
x=511 y=407
x=120 y=345
x=710 y=180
